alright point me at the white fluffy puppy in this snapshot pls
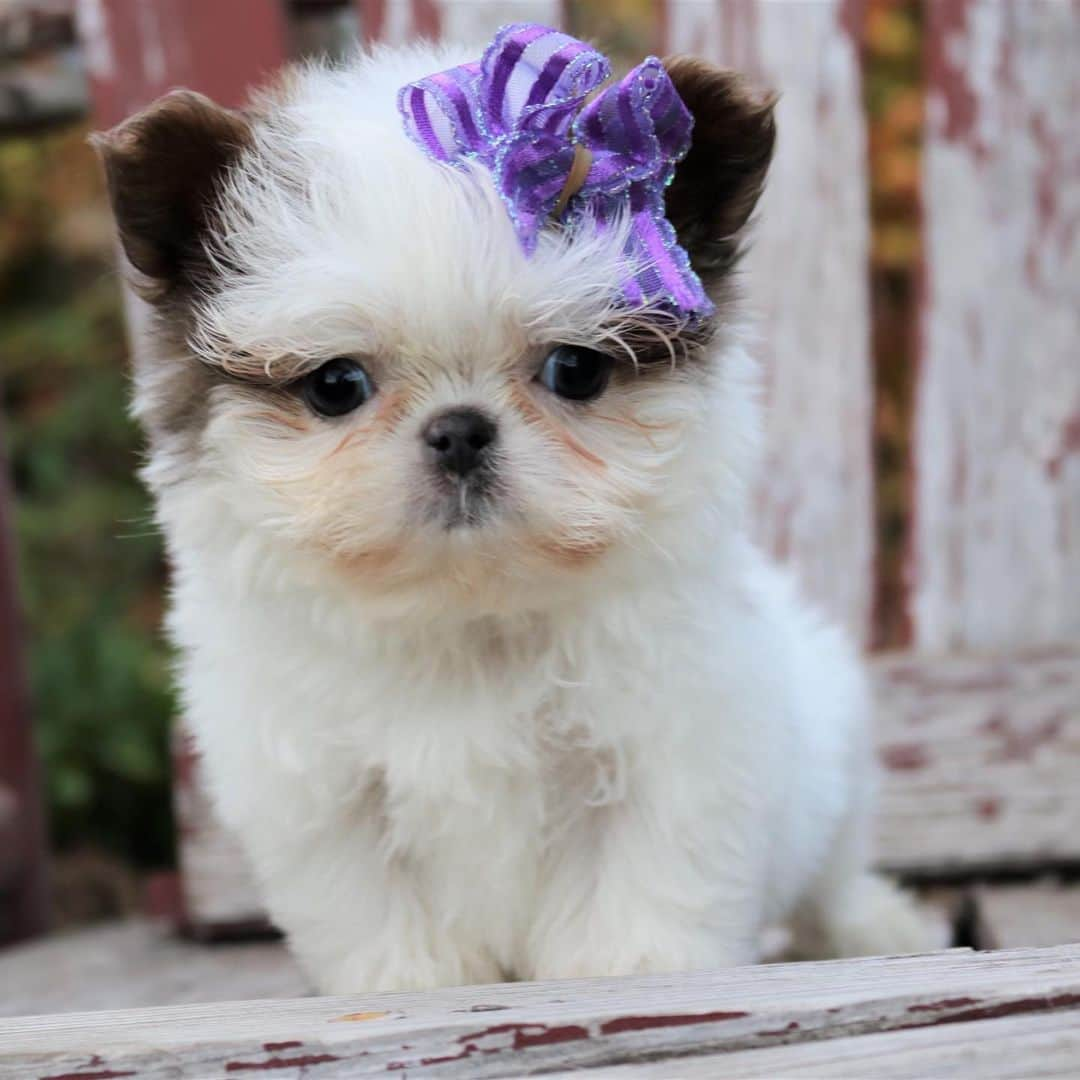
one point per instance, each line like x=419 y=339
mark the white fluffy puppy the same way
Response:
x=487 y=675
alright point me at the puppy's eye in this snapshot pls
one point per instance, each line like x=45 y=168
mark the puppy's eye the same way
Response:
x=338 y=387
x=575 y=372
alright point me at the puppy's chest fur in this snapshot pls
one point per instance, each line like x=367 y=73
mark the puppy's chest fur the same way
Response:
x=465 y=762
x=452 y=743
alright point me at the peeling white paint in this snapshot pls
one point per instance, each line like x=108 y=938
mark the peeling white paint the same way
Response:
x=806 y=279
x=996 y=559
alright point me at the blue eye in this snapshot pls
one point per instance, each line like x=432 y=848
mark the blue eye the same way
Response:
x=575 y=372
x=338 y=387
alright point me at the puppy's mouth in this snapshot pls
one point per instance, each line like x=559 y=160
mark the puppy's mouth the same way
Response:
x=467 y=502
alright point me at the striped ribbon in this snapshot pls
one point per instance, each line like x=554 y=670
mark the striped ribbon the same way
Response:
x=532 y=103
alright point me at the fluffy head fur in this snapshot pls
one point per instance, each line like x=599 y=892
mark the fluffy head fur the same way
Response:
x=582 y=728
x=312 y=228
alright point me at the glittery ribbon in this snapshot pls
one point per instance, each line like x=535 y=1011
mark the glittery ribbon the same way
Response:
x=529 y=108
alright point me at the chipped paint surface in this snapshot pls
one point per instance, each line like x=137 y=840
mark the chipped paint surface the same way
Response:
x=644 y=1023
x=980 y=755
x=996 y=558
x=555 y=1028
x=807 y=287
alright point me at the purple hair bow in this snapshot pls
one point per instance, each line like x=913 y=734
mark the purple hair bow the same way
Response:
x=529 y=107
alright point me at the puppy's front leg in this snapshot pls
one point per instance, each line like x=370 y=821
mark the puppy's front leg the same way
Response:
x=656 y=881
x=360 y=921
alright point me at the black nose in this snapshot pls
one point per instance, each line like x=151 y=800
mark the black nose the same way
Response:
x=459 y=439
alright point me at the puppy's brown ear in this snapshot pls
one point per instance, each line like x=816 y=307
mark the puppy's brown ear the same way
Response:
x=163 y=168
x=718 y=183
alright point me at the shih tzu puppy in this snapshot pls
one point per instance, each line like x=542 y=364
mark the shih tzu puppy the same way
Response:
x=451 y=435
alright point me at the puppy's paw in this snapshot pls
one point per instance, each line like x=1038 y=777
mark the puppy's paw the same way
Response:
x=876 y=918
x=397 y=965
x=638 y=946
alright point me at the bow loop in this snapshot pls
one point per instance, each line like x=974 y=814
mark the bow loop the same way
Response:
x=522 y=109
x=636 y=130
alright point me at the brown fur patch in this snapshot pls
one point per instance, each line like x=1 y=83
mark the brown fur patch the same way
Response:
x=163 y=168
x=718 y=183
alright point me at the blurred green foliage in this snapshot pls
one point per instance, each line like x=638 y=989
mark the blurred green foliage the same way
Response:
x=91 y=573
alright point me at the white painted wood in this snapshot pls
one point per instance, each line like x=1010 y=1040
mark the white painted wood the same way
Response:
x=996 y=559
x=138 y=963
x=1011 y=1048
x=806 y=282
x=981 y=757
x=524 y=1027
x=1033 y=913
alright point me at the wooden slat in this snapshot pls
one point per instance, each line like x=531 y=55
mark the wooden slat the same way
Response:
x=996 y=559
x=806 y=283
x=981 y=756
x=516 y=1028
x=1029 y=914
x=1010 y=1048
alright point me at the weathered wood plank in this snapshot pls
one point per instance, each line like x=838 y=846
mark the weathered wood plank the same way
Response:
x=139 y=963
x=1029 y=914
x=981 y=756
x=521 y=1027
x=807 y=286
x=996 y=555
x=1009 y=1048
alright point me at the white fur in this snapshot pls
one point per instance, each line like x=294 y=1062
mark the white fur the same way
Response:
x=479 y=761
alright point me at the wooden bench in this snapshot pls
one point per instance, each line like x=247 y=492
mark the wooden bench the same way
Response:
x=979 y=688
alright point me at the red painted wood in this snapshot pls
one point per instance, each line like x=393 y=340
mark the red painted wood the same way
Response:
x=139 y=49
x=23 y=906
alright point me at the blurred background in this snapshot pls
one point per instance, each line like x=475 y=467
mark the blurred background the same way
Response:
x=856 y=77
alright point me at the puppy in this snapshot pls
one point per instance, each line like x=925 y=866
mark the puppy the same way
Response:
x=487 y=675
